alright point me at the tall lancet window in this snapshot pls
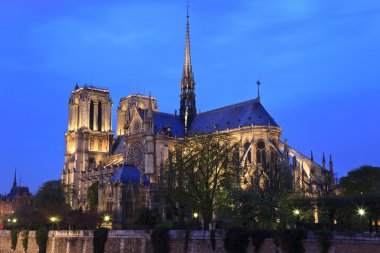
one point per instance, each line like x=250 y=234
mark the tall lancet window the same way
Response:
x=261 y=156
x=247 y=149
x=92 y=115
x=100 y=113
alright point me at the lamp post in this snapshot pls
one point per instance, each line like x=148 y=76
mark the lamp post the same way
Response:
x=297 y=213
x=54 y=220
x=196 y=216
x=361 y=213
x=107 y=221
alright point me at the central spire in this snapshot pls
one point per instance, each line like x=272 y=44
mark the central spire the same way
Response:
x=187 y=105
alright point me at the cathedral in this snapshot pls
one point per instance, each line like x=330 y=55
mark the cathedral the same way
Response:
x=126 y=163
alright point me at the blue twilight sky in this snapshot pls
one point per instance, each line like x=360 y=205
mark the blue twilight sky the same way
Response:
x=318 y=61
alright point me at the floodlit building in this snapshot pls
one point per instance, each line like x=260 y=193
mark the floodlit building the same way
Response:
x=126 y=163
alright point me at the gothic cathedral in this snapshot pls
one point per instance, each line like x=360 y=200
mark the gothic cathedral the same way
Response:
x=126 y=163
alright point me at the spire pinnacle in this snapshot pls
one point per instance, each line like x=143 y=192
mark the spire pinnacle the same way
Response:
x=14 y=180
x=150 y=107
x=187 y=104
x=323 y=160
x=258 y=89
x=187 y=8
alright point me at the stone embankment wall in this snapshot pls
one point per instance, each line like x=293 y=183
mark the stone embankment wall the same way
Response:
x=199 y=242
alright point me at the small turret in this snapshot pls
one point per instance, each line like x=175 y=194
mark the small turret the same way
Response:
x=331 y=165
x=258 y=89
x=14 y=180
x=149 y=116
x=323 y=160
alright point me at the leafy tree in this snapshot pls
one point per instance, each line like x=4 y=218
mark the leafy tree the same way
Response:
x=363 y=180
x=42 y=236
x=197 y=173
x=50 y=195
x=147 y=219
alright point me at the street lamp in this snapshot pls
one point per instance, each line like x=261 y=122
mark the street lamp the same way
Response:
x=54 y=220
x=196 y=215
x=361 y=212
x=107 y=218
x=297 y=213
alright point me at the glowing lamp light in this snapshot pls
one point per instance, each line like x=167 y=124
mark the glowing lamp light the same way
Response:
x=196 y=215
x=361 y=211
x=296 y=212
x=54 y=219
x=14 y=220
x=107 y=218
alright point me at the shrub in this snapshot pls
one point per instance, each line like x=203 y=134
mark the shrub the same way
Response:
x=25 y=238
x=187 y=239
x=236 y=240
x=258 y=237
x=160 y=239
x=14 y=237
x=290 y=240
x=147 y=218
x=212 y=239
x=42 y=236
x=324 y=240
x=100 y=239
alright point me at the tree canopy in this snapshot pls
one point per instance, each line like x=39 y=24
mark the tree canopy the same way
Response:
x=364 y=180
x=198 y=172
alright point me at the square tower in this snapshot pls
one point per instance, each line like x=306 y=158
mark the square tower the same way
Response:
x=88 y=139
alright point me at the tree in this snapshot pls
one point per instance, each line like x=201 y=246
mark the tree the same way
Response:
x=50 y=195
x=363 y=180
x=48 y=202
x=197 y=172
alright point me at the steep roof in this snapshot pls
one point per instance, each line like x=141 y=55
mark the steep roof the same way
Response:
x=164 y=121
x=242 y=114
x=128 y=174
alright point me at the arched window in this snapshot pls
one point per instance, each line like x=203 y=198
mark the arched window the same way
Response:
x=273 y=156
x=236 y=156
x=78 y=117
x=100 y=145
x=100 y=114
x=260 y=153
x=92 y=115
x=246 y=148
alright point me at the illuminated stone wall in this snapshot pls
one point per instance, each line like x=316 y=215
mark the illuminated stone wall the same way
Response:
x=199 y=241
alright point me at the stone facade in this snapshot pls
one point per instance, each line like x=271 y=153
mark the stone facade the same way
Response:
x=199 y=242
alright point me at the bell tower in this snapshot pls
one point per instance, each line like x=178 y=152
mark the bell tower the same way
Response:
x=88 y=139
x=187 y=105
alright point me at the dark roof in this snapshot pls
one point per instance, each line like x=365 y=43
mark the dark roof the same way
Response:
x=118 y=145
x=18 y=191
x=128 y=174
x=168 y=124
x=242 y=114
